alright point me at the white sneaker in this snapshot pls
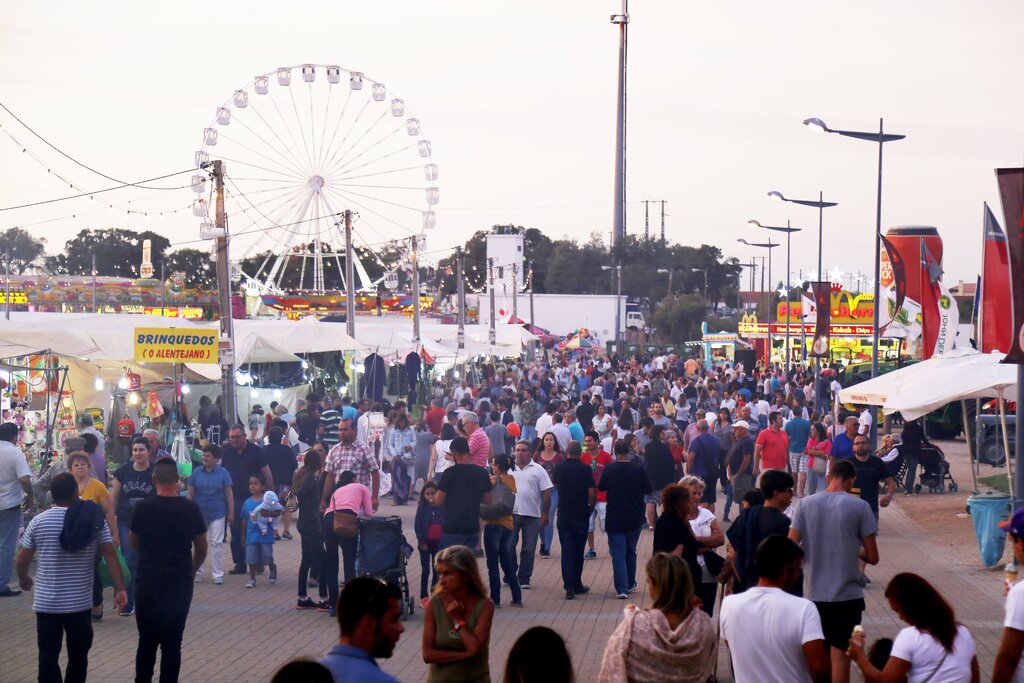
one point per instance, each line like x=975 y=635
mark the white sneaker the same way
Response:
x=218 y=580
x=621 y=596
x=251 y=583
x=198 y=579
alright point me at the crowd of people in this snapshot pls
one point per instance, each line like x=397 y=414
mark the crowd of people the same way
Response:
x=499 y=469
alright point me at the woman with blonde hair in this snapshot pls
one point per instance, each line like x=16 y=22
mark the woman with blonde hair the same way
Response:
x=457 y=622
x=706 y=530
x=672 y=641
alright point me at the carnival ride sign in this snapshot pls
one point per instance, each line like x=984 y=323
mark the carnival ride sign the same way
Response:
x=175 y=345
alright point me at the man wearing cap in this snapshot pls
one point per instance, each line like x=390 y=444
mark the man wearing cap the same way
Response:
x=741 y=460
x=1007 y=666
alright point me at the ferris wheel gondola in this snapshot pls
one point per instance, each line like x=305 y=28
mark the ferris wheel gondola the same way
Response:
x=301 y=145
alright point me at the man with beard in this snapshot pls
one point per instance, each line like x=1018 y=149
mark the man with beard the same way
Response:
x=369 y=617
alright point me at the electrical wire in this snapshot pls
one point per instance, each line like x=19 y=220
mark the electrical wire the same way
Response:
x=79 y=163
x=108 y=189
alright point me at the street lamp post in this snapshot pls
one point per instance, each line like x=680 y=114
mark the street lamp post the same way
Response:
x=769 y=245
x=669 y=271
x=789 y=235
x=881 y=137
x=618 y=302
x=820 y=205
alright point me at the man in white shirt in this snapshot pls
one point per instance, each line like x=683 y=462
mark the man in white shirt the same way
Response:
x=865 y=421
x=544 y=421
x=15 y=487
x=530 y=512
x=766 y=619
x=1007 y=667
x=462 y=391
x=560 y=431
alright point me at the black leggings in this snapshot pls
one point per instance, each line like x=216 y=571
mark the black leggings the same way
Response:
x=427 y=563
x=312 y=562
x=332 y=543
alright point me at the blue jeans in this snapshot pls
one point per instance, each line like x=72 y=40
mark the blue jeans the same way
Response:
x=572 y=535
x=622 y=546
x=529 y=433
x=547 y=533
x=10 y=521
x=501 y=557
x=469 y=540
x=530 y=529
x=131 y=558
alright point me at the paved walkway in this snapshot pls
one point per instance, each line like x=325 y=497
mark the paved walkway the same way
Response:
x=236 y=634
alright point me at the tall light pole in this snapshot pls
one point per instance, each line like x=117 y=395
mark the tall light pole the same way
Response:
x=669 y=271
x=881 y=137
x=751 y=290
x=618 y=302
x=619 y=220
x=820 y=205
x=789 y=238
x=769 y=245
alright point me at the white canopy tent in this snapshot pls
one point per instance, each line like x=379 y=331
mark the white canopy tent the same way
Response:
x=916 y=390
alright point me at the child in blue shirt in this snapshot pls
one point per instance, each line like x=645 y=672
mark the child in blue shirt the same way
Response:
x=259 y=547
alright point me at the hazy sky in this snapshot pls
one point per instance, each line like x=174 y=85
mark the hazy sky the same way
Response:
x=518 y=100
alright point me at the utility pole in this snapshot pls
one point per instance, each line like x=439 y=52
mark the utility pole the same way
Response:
x=415 y=291
x=662 y=220
x=163 y=291
x=490 y=289
x=227 y=327
x=647 y=221
x=515 y=293
x=94 y=282
x=533 y=321
x=350 y=279
x=460 y=283
x=7 y=283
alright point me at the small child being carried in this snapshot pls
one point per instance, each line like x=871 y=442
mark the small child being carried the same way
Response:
x=270 y=503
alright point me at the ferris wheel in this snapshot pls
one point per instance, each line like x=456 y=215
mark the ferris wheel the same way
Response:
x=300 y=146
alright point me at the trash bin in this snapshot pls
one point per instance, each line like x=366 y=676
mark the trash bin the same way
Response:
x=987 y=511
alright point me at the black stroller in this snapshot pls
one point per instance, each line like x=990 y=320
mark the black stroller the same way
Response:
x=935 y=472
x=384 y=552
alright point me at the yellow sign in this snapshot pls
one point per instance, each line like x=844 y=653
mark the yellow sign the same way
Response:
x=175 y=345
x=16 y=298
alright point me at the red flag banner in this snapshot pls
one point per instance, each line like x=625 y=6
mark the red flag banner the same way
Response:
x=930 y=274
x=822 y=292
x=1011 y=191
x=899 y=276
x=995 y=308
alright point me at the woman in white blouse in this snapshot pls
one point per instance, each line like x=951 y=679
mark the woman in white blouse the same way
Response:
x=706 y=529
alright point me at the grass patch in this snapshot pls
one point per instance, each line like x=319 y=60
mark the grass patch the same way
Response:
x=996 y=481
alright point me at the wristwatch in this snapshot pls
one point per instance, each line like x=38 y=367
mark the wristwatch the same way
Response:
x=458 y=625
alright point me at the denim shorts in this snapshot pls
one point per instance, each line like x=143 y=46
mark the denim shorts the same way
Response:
x=259 y=553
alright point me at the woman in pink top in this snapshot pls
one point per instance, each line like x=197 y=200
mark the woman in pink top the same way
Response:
x=350 y=498
x=818 y=448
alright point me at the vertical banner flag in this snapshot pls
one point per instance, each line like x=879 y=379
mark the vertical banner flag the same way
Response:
x=899 y=277
x=808 y=308
x=995 y=308
x=823 y=317
x=929 y=302
x=1011 y=191
x=945 y=311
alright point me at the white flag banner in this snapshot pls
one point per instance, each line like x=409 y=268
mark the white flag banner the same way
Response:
x=902 y=324
x=949 y=321
x=808 y=309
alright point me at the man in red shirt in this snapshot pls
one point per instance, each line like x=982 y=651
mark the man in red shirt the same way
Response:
x=479 y=444
x=771 y=451
x=435 y=417
x=597 y=460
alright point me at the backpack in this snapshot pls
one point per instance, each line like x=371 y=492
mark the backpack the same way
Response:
x=503 y=500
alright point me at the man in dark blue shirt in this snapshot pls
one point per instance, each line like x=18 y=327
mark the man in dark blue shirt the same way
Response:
x=842 y=445
x=576 y=498
x=703 y=460
x=627 y=484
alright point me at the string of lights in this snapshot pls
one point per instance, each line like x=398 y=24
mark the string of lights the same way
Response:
x=79 y=163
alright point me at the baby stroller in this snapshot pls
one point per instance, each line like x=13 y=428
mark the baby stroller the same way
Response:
x=934 y=471
x=383 y=552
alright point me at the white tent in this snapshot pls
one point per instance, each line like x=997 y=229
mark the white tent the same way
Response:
x=918 y=389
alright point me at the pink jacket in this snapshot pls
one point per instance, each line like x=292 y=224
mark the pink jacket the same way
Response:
x=354 y=497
